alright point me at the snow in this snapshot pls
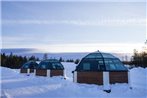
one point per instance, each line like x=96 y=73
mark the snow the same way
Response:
x=16 y=85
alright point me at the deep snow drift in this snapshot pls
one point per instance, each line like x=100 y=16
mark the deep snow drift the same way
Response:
x=16 y=85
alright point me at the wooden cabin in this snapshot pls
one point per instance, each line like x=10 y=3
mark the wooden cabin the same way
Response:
x=50 y=67
x=101 y=69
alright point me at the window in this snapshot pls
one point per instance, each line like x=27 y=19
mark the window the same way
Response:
x=26 y=65
x=119 y=65
x=109 y=64
x=101 y=62
x=91 y=64
x=114 y=64
x=57 y=65
x=86 y=66
x=94 y=55
x=44 y=65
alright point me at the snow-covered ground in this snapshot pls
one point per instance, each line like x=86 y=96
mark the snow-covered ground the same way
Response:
x=16 y=85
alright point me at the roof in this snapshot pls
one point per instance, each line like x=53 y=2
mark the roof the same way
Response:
x=30 y=64
x=99 y=55
x=50 y=64
x=99 y=61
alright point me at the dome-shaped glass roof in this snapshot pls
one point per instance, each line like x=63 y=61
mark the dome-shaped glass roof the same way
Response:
x=30 y=64
x=100 y=55
x=98 y=61
x=50 y=64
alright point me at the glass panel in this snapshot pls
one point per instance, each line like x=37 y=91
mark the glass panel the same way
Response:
x=94 y=55
x=109 y=64
x=119 y=65
x=101 y=62
x=114 y=64
x=32 y=65
x=93 y=64
x=44 y=65
x=86 y=66
x=26 y=66
x=57 y=65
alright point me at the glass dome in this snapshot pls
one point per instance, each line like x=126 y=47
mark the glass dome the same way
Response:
x=50 y=64
x=98 y=61
x=30 y=64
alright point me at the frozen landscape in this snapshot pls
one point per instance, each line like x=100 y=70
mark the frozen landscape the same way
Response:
x=16 y=85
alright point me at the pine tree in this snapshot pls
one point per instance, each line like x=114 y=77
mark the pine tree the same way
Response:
x=77 y=61
x=61 y=60
x=32 y=58
x=45 y=56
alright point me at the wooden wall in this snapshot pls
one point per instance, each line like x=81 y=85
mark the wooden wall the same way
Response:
x=23 y=70
x=90 y=77
x=43 y=72
x=57 y=73
x=118 y=77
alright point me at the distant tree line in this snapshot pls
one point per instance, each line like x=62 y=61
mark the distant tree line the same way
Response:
x=69 y=60
x=14 y=61
x=45 y=57
x=138 y=59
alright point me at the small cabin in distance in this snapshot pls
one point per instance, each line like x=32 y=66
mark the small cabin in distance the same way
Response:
x=29 y=67
x=50 y=67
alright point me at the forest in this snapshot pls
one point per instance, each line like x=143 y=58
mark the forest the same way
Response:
x=15 y=61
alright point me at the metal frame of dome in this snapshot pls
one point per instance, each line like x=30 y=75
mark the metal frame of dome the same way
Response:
x=29 y=68
x=50 y=71
x=103 y=76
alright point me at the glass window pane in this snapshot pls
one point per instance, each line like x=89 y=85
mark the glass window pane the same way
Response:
x=57 y=65
x=86 y=66
x=94 y=55
x=119 y=65
x=100 y=62
x=26 y=66
x=110 y=64
x=43 y=66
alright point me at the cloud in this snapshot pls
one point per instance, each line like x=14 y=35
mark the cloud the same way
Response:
x=99 y=22
x=78 y=47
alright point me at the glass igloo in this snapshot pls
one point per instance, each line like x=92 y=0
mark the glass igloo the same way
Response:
x=52 y=64
x=101 y=69
x=98 y=61
x=28 y=67
x=50 y=67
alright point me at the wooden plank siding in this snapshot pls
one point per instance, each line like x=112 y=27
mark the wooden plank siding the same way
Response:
x=56 y=73
x=23 y=70
x=118 y=77
x=90 y=77
x=43 y=72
